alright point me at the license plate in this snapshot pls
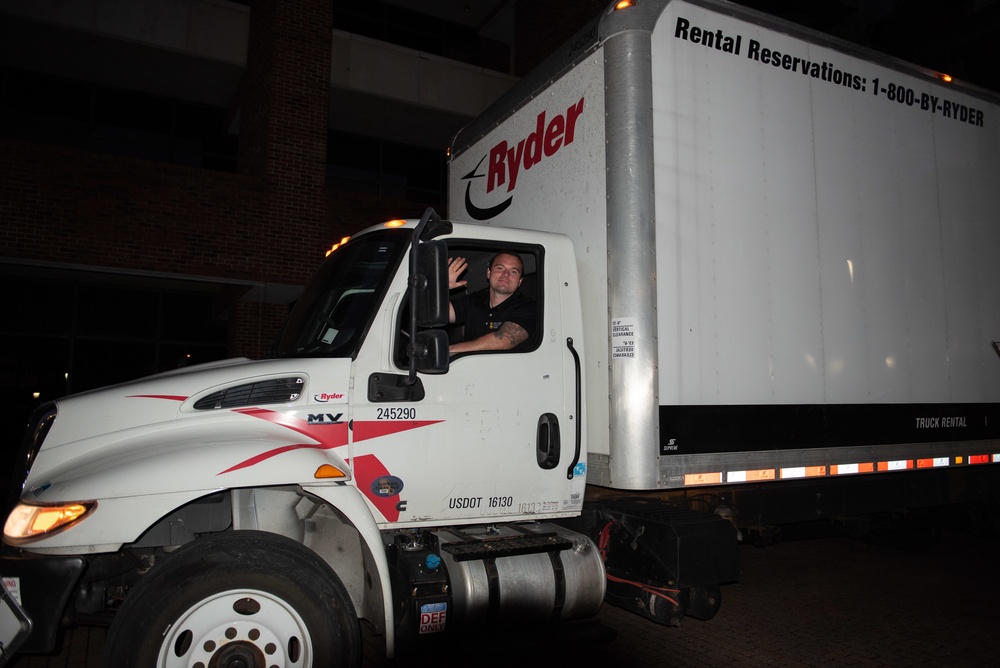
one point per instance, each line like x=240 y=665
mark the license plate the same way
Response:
x=15 y=625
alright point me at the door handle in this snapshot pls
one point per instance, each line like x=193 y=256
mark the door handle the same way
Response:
x=547 y=445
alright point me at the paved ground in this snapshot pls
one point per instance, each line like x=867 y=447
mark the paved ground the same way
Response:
x=821 y=602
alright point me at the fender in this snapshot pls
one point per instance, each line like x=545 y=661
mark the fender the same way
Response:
x=350 y=502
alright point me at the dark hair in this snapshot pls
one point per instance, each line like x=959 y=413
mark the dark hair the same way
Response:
x=505 y=252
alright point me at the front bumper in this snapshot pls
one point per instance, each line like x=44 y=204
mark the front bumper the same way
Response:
x=45 y=585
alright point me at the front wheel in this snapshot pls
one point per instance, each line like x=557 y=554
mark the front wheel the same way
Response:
x=244 y=598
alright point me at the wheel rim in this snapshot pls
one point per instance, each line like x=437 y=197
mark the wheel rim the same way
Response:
x=244 y=628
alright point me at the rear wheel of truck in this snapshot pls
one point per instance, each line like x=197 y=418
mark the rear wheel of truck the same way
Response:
x=241 y=599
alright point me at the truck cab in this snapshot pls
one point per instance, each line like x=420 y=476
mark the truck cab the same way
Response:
x=491 y=436
x=406 y=488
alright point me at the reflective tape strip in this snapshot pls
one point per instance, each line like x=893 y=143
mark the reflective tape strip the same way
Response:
x=703 y=478
x=896 y=465
x=931 y=463
x=750 y=476
x=797 y=472
x=846 y=469
x=803 y=472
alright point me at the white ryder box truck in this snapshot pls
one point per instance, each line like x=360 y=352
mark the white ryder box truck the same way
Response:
x=764 y=266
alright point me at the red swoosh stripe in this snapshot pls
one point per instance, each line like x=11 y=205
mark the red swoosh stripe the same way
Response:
x=328 y=436
x=366 y=469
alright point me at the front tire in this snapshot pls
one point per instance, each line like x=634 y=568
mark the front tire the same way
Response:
x=243 y=598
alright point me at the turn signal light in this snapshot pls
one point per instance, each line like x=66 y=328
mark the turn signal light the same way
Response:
x=328 y=471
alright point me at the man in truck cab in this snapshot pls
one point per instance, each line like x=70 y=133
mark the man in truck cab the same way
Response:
x=500 y=317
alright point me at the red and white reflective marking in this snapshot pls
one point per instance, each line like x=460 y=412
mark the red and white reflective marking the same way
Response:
x=850 y=468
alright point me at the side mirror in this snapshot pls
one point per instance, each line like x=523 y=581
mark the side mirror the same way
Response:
x=428 y=288
x=431 y=351
x=431 y=283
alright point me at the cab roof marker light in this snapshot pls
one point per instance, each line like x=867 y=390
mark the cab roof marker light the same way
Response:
x=624 y=4
x=337 y=245
x=395 y=223
x=944 y=77
x=29 y=522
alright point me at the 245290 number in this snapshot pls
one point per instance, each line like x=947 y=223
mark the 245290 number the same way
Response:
x=403 y=413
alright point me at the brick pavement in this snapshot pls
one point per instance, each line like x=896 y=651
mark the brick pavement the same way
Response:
x=824 y=602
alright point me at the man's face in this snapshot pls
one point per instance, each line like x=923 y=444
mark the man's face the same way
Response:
x=505 y=274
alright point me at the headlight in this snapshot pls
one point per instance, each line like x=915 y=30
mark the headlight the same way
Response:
x=29 y=522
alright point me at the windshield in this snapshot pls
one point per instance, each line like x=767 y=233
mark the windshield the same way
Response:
x=332 y=315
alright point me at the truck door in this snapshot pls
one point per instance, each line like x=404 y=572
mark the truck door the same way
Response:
x=493 y=438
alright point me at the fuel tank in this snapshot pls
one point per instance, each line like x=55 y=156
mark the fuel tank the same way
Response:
x=516 y=573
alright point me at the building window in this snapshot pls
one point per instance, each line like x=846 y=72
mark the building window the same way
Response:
x=415 y=30
x=50 y=110
x=79 y=331
x=385 y=170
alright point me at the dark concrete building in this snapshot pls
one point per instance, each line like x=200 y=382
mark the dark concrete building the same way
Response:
x=173 y=171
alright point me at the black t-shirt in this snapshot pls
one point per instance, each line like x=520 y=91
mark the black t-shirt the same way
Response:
x=474 y=310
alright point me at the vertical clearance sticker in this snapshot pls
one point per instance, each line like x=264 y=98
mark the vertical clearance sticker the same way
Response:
x=622 y=337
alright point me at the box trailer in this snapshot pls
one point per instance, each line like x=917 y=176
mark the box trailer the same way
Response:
x=787 y=253
x=758 y=265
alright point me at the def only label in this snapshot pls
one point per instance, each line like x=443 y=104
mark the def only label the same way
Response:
x=433 y=617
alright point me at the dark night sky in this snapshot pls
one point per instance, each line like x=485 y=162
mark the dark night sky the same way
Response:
x=958 y=37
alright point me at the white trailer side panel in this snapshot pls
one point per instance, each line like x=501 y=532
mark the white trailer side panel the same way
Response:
x=818 y=242
x=823 y=294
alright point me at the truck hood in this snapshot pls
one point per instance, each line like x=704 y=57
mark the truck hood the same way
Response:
x=192 y=428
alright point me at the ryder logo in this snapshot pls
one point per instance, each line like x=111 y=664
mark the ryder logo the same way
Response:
x=506 y=160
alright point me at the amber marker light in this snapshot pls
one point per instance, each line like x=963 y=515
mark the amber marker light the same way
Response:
x=28 y=522
x=328 y=472
x=945 y=78
x=395 y=223
x=623 y=4
x=337 y=245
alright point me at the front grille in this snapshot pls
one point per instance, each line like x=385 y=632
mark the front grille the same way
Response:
x=34 y=436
